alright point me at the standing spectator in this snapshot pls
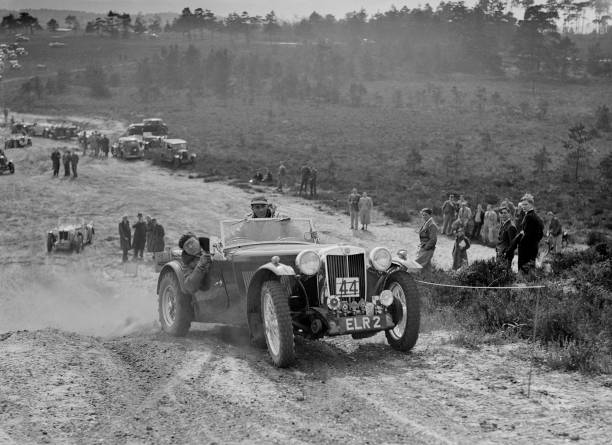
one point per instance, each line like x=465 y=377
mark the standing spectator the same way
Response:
x=528 y=239
x=353 y=205
x=140 y=237
x=464 y=214
x=478 y=221
x=456 y=205
x=282 y=173
x=55 y=160
x=508 y=204
x=555 y=231
x=148 y=234
x=313 y=182
x=66 y=161
x=448 y=215
x=74 y=161
x=462 y=244
x=490 y=226
x=157 y=236
x=365 y=208
x=125 y=237
x=428 y=237
x=507 y=233
x=305 y=173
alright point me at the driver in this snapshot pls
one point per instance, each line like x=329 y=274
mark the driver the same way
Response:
x=261 y=208
x=197 y=262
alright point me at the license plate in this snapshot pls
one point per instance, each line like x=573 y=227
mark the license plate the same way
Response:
x=362 y=323
x=347 y=287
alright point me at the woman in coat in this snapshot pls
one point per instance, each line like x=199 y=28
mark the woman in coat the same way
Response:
x=365 y=208
x=157 y=236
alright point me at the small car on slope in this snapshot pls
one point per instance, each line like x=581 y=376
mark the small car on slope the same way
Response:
x=129 y=147
x=17 y=141
x=273 y=275
x=71 y=234
x=176 y=152
x=6 y=165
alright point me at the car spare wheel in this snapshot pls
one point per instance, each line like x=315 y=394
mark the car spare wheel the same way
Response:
x=175 y=313
x=278 y=328
x=405 y=311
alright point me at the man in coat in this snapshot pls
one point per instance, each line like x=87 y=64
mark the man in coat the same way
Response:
x=140 y=237
x=74 y=160
x=448 y=215
x=528 y=239
x=507 y=232
x=365 y=209
x=55 y=160
x=125 y=236
x=157 y=236
x=353 y=206
x=428 y=237
x=555 y=231
x=282 y=173
x=313 y=182
x=66 y=161
x=305 y=171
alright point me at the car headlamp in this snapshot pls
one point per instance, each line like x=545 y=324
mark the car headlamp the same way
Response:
x=308 y=262
x=386 y=297
x=380 y=258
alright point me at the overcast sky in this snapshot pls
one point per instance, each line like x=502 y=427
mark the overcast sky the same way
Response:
x=287 y=9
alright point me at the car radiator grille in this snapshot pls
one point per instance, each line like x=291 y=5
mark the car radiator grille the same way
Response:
x=63 y=235
x=346 y=266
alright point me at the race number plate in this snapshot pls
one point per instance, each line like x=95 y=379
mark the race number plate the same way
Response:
x=362 y=323
x=347 y=287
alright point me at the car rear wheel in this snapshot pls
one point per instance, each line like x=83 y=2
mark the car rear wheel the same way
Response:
x=405 y=311
x=174 y=307
x=278 y=328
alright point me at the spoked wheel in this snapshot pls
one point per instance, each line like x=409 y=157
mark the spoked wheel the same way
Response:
x=175 y=313
x=278 y=328
x=405 y=311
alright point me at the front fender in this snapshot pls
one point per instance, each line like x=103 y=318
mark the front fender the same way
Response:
x=175 y=268
x=409 y=265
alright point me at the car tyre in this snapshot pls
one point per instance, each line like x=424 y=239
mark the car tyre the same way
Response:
x=175 y=313
x=278 y=328
x=49 y=243
x=405 y=311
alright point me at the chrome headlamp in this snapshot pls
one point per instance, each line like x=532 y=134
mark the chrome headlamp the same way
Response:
x=308 y=262
x=380 y=258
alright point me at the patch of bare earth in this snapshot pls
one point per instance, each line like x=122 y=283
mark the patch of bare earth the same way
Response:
x=94 y=367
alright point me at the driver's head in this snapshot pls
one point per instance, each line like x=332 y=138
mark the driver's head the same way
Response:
x=192 y=247
x=260 y=207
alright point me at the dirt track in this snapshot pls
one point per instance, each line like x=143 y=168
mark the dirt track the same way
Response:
x=109 y=376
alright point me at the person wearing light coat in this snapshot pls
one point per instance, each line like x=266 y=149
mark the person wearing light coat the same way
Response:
x=365 y=208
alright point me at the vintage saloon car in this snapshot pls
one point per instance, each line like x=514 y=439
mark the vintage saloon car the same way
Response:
x=71 y=233
x=273 y=275
x=17 y=141
x=176 y=152
x=129 y=147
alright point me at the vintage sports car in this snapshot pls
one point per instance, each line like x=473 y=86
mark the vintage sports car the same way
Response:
x=129 y=147
x=6 y=164
x=176 y=152
x=273 y=275
x=18 y=141
x=63 y=131
x=71 y=234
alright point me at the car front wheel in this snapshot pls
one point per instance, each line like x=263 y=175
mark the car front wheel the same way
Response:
x=405 y=311
x=174 y=308
x=278 y=328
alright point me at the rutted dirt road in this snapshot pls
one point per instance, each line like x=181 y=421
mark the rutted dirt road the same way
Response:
x=93 y=367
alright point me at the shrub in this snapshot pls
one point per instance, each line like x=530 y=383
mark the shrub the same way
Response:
x=485 y=273
x=595 y=237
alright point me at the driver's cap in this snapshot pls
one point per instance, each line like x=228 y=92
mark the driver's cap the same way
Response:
x=259 y=200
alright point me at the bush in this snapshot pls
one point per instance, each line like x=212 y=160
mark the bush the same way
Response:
x=595 y=237
x=485 y=273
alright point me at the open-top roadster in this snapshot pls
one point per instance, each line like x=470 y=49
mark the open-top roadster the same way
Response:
x=6 y=164
x=273 y=274
x=71 y=233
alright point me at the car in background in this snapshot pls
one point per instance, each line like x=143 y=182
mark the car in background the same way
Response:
x=128 y=147
x=154 y=126
x=18 y=141
x=70 y=234
x=176 y=152
x=272 y=275
x=6 y=165
x=40 y=129
x=134 y=130
x=63 y=131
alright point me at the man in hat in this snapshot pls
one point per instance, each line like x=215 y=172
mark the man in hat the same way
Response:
x=448 y=214
x=66 y=157
x=125 y=236
x=140 y=237
x=197 y=264
x=507 y=232
x=55 y=160
x=528 y=239
x=282 y=173
x=353 y=205
x=261 y=208
x=428 y=236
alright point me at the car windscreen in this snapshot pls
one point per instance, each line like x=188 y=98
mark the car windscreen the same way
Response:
x=250 y=231
x=178 y=147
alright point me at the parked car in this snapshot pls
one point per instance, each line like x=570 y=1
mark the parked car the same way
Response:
x=176 y=152
x=6 y=165
x=134 y=130
x=128 y=147
x=273 y=275
x=17 y=141
x=71 y=233
x=155 y=126
x=62 y=131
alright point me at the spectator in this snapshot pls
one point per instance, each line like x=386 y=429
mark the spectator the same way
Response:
x=508 y=204
x=148 y=233
x=353 y=205
x=66 y=161
x=478 y=221
x=313 y=182
x=555 y=231
x=507 y=233
x=125 y=237
x=462 y=244
x=365 y=208
x=428 y=237
x=74 y=161
x=528 y=239
x=55 y=160
x=464 y=213
x=448 y=215
x=305 y=173
x=157 y=236
x=140 y=237
x=490 y=226
x=282 y=173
